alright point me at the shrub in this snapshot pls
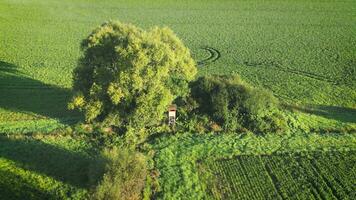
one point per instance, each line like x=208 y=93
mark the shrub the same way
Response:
x=234 y=105
x=125 y=176
x=128 y=76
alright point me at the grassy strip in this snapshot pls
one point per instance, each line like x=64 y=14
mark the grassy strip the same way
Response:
x=45 y=167
x=20 y=127
x=19 y=183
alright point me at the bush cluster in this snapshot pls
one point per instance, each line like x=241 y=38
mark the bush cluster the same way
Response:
x=125 y=176
x=231 y=104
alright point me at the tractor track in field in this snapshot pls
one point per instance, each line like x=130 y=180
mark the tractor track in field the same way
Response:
x=278 y=66
x=214 y=55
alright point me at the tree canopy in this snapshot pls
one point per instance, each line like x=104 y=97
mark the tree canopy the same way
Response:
x=128 y=76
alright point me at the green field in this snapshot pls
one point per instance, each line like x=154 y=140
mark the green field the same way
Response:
x=44 y=167
x=327 y=175
x=303 y=51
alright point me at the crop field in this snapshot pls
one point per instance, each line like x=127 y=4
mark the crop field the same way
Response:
x=327 y=175
x=303 y=51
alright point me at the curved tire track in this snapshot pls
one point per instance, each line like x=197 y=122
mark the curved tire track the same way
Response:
x=278 y=66
x=214 y=55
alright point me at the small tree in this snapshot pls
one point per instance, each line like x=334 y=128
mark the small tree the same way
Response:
x=127 y=76
x=125 y=176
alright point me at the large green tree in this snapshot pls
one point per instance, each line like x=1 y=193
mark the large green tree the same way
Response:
x=128 y=76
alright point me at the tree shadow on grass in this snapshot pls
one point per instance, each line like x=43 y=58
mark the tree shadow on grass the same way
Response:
x=62 y=165
x=14 y=187
x=341 y=114
x=25 y=95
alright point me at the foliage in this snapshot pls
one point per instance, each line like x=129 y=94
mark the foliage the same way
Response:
x=125 y=176
x=234 y=104
x=128 y=76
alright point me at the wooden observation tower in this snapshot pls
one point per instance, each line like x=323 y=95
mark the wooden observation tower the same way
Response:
x=172 y=113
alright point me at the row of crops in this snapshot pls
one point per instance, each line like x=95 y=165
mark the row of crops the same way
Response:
x=321 y=175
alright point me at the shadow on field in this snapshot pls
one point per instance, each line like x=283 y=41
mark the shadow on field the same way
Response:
x=347 y=115
x=25 y=95
x=58 y=163
x=13 y=187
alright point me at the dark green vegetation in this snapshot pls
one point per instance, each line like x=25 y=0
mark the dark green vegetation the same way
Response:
x=301 y=51
x=125 y=177
x=312 y=175
x=236 y=106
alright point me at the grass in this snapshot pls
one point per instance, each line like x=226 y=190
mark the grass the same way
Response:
x=27 y=103
x=44 y=167
x=19 y=183
x=312 y=175
x=302 y=51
